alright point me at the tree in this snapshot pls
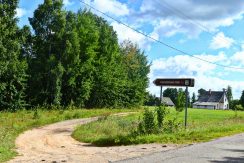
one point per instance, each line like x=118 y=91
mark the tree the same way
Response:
x=229 y=94
x=242 y=99
x=137 y=70
x=108 y=74
x=180 y=101
x=12 y=66
x=171 y=93
x=233 y=104
x=193 y=99
x=46 y=65
x=75 y=58
x=79 y=59
x=201 y=92
x=151 y=100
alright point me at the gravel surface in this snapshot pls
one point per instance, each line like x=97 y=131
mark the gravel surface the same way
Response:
x=54 y=144
x=223 y=150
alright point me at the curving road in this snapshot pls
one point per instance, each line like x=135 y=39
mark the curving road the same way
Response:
x=54 y=144
x=223 y=150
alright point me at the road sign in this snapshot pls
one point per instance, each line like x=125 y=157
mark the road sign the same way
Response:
x=182 y=82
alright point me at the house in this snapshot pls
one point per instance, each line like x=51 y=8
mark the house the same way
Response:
x=167 y=101
x=212 y=100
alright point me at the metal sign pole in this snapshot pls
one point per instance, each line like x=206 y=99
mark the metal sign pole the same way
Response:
x=186 y=107
x=161 y=93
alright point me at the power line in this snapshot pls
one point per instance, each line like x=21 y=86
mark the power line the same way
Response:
x=194 y=22
x=156 y=40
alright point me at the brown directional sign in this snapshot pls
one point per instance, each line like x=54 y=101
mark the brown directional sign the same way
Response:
x=183 y=82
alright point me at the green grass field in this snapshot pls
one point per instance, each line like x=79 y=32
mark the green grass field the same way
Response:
x=203 y=125
x=12 y=124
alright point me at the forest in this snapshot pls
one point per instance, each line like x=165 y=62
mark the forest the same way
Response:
x=66 y=58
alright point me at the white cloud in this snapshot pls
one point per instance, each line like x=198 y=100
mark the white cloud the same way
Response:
x=239 y=57
x=221 y=41
x=20 y=12
x=172 y=17
x=206 y=75
x=125 y=33
x=110 y=6
x=68 y=2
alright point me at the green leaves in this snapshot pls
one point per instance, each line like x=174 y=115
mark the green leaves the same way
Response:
x=73 y=58
x=12 y=69
x=242 y=99
x=180 y=101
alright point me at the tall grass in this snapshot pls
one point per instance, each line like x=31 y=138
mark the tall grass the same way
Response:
x=203 y=125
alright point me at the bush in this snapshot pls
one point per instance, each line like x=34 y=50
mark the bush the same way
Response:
x=147 y=125
x=150 y=125
x=172 y=125
x=239 y=107
x=161 y=113
x=180 y=101
x=233 y=104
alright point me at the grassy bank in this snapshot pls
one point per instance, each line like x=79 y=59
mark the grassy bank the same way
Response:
x=203 y=125
x=12 y=124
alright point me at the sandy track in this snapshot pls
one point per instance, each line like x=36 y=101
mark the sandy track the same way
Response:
x=53 y=143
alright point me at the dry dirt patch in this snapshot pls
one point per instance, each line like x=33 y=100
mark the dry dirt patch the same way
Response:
x=53 y=143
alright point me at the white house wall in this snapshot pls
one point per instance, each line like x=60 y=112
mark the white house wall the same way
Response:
x=226 y=103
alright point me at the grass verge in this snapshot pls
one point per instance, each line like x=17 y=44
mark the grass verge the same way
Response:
x=203 y=125
x=12 y=124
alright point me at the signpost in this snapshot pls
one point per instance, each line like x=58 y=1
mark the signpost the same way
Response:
x=183 y=82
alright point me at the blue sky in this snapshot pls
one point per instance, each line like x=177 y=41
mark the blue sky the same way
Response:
x=211 y=30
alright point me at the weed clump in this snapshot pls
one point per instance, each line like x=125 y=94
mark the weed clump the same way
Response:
x=154 y=122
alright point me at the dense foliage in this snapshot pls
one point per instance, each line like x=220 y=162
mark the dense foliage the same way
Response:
x=12 y=67
x=229 y=94
x=180 y=100
x=171 y=93
x=69 y=59
x=193 y=98
x=242 y=99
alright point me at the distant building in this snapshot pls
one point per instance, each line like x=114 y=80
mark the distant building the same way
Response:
x=167 y=101
x=212 y=100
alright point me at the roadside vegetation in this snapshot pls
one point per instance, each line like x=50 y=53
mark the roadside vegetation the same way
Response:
x=203 y=125
x=12 y=124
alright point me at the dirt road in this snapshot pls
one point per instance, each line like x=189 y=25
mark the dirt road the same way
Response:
x=53 y=143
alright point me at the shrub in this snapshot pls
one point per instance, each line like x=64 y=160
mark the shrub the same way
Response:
x=180 y=101
x=172 y=125
x=239 y=107
x=161 y=113
x=148 y=126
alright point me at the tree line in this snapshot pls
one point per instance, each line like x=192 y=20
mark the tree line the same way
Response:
x=178 y=98
x=67 y=58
